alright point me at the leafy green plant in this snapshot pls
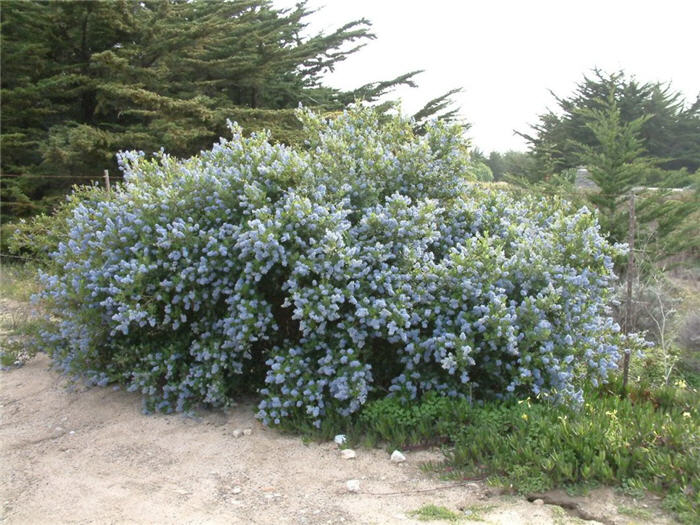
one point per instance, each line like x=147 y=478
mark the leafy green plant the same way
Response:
x=34 y=239
x=648 y=441
x=432 y=512
x=431 y=421
x=608 y=441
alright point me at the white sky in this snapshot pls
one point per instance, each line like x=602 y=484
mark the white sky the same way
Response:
x=508 y=54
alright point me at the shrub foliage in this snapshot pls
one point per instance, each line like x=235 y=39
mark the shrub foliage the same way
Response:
x=364 y=264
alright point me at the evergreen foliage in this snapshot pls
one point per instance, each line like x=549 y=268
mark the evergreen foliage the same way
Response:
x=82 y=80
x=630 y=137
x=616 y=160
x=670 y=130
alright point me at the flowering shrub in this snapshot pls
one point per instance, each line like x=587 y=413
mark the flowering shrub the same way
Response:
x=365 y=264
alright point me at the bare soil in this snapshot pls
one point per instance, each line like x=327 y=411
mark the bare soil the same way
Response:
x=91 y=456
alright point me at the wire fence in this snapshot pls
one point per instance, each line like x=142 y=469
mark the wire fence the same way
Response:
x=19 y=257
x=33 y=176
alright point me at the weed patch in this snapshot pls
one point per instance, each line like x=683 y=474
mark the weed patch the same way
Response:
x=19 y=322
x=436 y=512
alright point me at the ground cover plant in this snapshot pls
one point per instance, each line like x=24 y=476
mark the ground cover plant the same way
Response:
x=643 y=442
x=363 y=265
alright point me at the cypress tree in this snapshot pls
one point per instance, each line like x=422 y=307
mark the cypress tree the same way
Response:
x=670 y=131
x=83 y=79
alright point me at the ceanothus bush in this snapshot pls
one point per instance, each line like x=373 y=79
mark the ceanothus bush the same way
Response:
x=363 y=264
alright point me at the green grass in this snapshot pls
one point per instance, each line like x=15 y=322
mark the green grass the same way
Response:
x=18 y=282
x=18 y=320
x=434 y=513
x=477 y=512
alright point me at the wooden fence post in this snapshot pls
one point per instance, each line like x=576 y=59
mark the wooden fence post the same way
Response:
x=107 y=181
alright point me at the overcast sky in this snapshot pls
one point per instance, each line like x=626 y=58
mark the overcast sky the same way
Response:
x=508 y=54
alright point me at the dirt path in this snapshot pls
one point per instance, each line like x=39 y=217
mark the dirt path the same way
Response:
x=92 y=457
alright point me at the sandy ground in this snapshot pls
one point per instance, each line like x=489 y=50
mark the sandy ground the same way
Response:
x=91 y=456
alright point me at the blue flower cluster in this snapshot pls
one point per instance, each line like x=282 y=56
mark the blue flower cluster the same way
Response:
x=362 y=264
